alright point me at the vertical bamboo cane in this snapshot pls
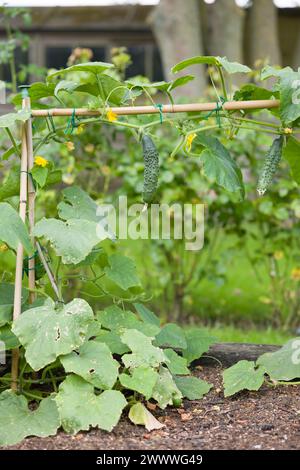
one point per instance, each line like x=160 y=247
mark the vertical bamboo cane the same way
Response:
x=20 y=253
x=31 y=203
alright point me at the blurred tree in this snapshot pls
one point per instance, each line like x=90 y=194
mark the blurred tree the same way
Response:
x=225 y=22
x=177 y=27
x=264 y=40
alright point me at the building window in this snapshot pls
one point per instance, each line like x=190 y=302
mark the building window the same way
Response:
x=57 y=57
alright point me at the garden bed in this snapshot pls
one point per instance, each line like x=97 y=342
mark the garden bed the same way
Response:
x=268 y=419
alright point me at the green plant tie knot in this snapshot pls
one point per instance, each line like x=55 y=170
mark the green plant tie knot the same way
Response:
x=71 y=123
x=159 y=106
x=216 y=111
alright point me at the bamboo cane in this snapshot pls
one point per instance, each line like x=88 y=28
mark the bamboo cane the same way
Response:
x=31 y=204
x=167 y=108
x=20 y=251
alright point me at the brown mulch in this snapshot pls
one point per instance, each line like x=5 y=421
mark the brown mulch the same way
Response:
x=268 y=419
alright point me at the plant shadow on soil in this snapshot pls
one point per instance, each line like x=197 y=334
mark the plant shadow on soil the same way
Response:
x=267 y=419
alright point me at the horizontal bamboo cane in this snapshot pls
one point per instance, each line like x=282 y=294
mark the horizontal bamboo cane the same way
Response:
x=167 y=108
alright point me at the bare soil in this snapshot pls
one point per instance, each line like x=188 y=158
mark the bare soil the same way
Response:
x=268 y=419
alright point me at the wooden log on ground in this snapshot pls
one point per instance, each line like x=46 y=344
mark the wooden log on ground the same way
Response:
x=228 y=354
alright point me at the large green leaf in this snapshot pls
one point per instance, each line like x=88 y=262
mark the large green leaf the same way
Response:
x=243 y=375
x=94 y=363
x=36 y=92
x=12 y=230
x=165 y=390
x=142 y=380
x=116 y=320
x=108 y=88
x=7 y=301
x=8 y=120
x=218 y=166
x=77 y=204
x=18 y=422
x=192 y=387
x=177 y=364
x=143 y=351
x=289 y=96
x=162 y=86
x=230 y=67
x=171 y=335
x=233 y=67
x=122 y=271
x=139 y=414
x=47 y=333
x=73 y=240
x=80 y=408
x=88 y=67
x=198 y=342
x=291 y=153
x=209 y=60
x=283 y=364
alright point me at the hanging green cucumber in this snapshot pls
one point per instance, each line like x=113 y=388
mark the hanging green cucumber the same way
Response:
x=270 y=166
x=151 y=171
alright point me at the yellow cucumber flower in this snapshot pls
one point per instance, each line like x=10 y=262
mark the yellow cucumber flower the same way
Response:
x=40 y=161
x=189 y=141
x=111 y=116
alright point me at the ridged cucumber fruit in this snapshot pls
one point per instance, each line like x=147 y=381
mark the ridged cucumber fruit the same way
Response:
x=151 y=171
x=270 y=165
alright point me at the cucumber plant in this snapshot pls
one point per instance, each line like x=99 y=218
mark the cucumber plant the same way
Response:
x=84 y=366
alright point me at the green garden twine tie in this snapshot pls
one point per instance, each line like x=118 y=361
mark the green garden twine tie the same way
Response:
x=71 y=123
x=159 y=106
x=218 y=108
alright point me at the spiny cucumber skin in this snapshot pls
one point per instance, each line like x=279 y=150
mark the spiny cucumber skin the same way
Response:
x=151 y=172
x=270 y=166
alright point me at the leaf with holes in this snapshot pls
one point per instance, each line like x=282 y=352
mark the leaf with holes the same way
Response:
x=122 y=271
x=79 y=408
x=17 y=421
x=192 y=387
x=94 y=363
x=47 y=332
x=12 y=230
x=283 y=364
x=142 y=380
x=244 y=375
x=143 y=351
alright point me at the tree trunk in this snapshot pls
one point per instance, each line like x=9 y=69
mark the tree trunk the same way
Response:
x=225 y=22
x=264 y=39
x=177 y=28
